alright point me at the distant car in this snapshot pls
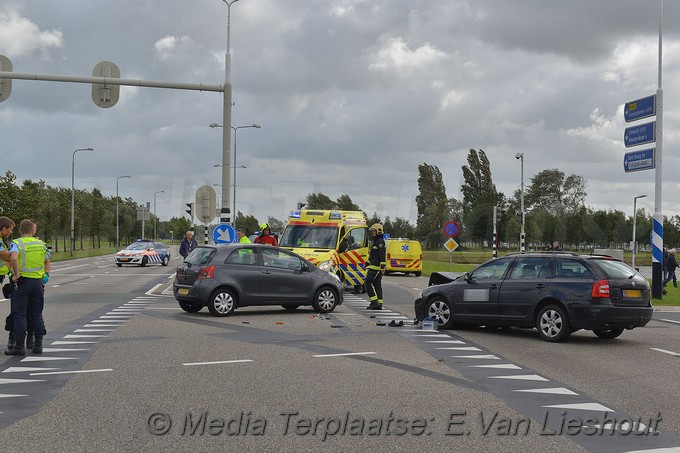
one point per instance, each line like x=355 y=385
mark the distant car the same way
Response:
x=224 y=277
x=143 y=252
x=558 y=293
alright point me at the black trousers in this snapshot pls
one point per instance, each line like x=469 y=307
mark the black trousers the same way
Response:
x=373 y=286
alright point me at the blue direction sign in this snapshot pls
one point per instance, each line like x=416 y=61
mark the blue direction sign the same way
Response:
x=639 y=135
x=224 y=234
x=641 y=108
x=639 y=160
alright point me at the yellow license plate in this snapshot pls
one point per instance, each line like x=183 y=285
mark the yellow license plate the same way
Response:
x=632 y=293
x=183 y=291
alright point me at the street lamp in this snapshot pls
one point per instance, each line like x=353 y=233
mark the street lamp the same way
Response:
x=522 y=236
x=117 y=227
x=255 y=125
x=634 y=225
x=73 y=195
x=155 y=237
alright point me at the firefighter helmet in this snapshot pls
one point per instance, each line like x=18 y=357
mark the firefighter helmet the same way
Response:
x=377 y=228
x=265 y=226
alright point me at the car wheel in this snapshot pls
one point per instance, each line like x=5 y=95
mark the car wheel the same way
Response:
x=608 y=333
x=166 y=260
x=418 y=274
x=325 y=300
x=189 y=307
x=440 y=308
x=552 y=324
x=290 y=307
x=144 y=261
x=222 y=303
x=119 y=265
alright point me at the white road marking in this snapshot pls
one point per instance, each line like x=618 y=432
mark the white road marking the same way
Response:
x=665 y=351
x=552 y=391
x=85 y=336
x=45 y=358
x=582 y=407
x=218 y=362
x=344 y=354
x=7 y=395
x=445 y=341
x=71 y=372
x=22 y=369
x=122 y=321
x=63 y=350
x=670 y=320
x=462 y=348
x=521 y=377
x=19 y=381
x=503 y=366
x=483 y=356
x=94 y=330
x=57 y=343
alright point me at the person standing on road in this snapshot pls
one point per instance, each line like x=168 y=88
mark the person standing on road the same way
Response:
x=556 y=246
x=6 y=229
x=242 y=238
x=30 y=264
x=375 y=268
x=671 y=265
x=266 y=236
x=188 y=244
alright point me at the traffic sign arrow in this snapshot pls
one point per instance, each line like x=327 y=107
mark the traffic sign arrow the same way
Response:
x=639 y=135
x=639 y=160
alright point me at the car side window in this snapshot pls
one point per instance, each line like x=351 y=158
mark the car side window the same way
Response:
x=493 y=270
x=570 y=268
x=280 y=259
x=246 y=256
x=532 y=267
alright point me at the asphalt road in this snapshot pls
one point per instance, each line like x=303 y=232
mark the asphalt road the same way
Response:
x=127 y=370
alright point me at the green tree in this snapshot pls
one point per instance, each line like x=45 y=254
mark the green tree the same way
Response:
x=479 y=196
x=247 y=223
x=433 y=206
x=345 y=203
x=319 y=201
x=551 y=190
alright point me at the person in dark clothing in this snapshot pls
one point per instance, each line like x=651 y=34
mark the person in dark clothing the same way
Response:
x=664 y=263
x=670 y=268
x=556 y=246
x=188 y=244
x=375 y=268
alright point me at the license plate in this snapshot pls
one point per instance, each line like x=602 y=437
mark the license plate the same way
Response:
x=636 y=293
x=183 y=291
x=123 y=259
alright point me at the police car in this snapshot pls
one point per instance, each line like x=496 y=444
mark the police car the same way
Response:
x=143 y=252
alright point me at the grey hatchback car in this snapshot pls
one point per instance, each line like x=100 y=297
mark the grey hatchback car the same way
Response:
x=226 y=276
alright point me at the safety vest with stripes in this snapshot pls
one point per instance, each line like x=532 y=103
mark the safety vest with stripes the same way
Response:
x=32 y=255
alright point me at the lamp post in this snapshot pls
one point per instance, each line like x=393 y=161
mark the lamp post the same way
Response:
x=634 y=225
x=73 y=195
x=117 y=225
x=522 y=235
x=255 y=125
x=155 y=237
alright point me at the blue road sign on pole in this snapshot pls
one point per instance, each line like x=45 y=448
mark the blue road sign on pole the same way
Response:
x=640 y=108
x=224 y=234
x=639 y=135
x=639 y=160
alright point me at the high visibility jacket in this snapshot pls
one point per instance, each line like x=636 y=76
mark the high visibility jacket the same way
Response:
x=32 y=255
x=4 y=267
x=376 y=256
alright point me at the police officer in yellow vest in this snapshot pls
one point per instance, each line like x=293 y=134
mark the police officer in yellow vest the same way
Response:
x=30 y=264
x=6 y=229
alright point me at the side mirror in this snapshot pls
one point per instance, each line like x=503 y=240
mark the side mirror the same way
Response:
x=467 y=277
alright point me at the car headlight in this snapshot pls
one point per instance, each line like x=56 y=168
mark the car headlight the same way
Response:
x=326 y=266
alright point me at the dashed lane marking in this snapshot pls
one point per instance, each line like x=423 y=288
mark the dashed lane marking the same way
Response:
x=665 y=351
x=597 y=407
x=217 y=362
x=344 y=354
x=551 y=391
x=71 y=372
x=521 y=377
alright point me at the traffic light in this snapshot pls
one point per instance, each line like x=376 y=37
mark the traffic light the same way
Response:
x=190 y=211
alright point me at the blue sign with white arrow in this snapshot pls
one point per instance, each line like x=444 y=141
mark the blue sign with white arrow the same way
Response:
x=641 y=108
x=639 y=160
x=224 y=234
x=639 y=135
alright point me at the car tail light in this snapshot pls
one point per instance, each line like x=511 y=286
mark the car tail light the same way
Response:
x=601 y=289
x=206 y=272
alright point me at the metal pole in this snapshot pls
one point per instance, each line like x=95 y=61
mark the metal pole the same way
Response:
x=233 y=211
x=657 y=228
x=522 y=234
x=73 y=195
x=634 y=227
x=155 y=236
x=117 y=223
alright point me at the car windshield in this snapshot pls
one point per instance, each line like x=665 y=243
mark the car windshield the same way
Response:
x=200 y=256
x=137 y=246
x=614 y=269
x=309 y=236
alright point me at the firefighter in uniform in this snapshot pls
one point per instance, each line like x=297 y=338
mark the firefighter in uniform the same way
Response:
x=266 y=236
x=30 y=265
x=375 y=268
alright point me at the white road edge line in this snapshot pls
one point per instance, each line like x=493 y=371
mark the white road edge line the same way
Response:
x=218 y=362
x=343 y=354
x=665 y=351
x=71 y=372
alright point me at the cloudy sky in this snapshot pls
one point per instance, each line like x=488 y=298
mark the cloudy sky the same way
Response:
x=352 y=95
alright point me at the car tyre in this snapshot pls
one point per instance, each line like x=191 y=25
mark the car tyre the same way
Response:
x=325 y=300
x=165 y=261
x=552 y=324
x=441 y=309
x=189 y=307
x=418 y=274
x=608 y=333
x=144 y=261
x=290 y=307
x=222 y=302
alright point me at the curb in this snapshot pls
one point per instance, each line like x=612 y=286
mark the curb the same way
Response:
x=665 y=308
